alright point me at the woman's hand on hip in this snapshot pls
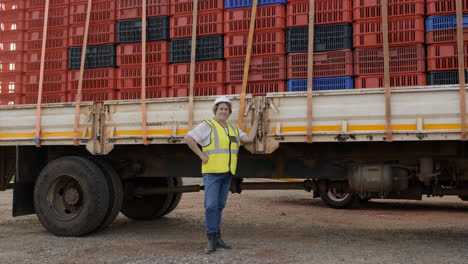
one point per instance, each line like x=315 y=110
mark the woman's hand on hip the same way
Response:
x=204 y=158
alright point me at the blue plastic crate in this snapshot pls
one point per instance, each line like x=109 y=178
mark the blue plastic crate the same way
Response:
x=326 y=38
x=322 y=84
x=444 y=22
x=98 y=56
x=444 y=77
x=232 y=4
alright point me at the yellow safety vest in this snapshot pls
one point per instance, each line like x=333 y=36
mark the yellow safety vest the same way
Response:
x=222 y=150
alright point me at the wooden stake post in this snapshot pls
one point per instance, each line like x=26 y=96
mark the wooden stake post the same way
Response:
x=41 y=76
x=310 y=69
x=143 y=73
x=80 y=81
x=388 y=110
x=461 y=69
x=240 y=120
x=192 y=62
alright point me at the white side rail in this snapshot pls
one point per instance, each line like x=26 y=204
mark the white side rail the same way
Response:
x=17 y=124
x=420 y=113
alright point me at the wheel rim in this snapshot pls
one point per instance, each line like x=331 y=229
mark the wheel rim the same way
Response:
x=336 y=196
x=65 y=198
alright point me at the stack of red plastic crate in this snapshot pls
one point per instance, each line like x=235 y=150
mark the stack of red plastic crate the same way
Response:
x=331 y=63
x=209 y=74
x=406 y=39
x=129 y=55
x=11 y=50
x=441 y=37
x=267 y=72
x=99 y=84
x=55 y=62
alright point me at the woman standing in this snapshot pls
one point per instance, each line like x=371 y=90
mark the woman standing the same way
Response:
x=220 y=143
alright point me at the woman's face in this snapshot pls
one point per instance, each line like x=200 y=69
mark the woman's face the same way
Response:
x=222 y=113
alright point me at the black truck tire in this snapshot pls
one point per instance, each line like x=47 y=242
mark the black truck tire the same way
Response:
x=146 y=207
x=71 y=196
x=177 y=181
x=115 y=191
x=338 y=201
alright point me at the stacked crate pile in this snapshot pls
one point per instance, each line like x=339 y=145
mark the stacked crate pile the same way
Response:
x=54 y=87
x=129 y=50
x=406 y=39
x=267 y=71
x=333 y=57
x=11 y=50
x=441 y=37
x=99 y=79
x=209 y=60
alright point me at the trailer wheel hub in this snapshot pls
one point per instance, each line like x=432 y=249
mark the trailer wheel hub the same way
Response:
x=65 y=198
x=71 y=196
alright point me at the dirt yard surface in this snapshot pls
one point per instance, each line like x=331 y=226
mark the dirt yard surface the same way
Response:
x=263 y=227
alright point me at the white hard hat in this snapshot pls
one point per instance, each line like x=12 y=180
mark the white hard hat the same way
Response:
x=222 y=99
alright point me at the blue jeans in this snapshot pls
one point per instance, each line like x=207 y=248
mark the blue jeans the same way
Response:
x=216 y=193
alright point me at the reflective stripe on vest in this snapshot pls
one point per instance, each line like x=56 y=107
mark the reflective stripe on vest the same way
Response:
x=222 y=151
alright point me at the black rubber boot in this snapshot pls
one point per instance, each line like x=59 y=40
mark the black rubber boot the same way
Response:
x=220 y=243
x=211 y=247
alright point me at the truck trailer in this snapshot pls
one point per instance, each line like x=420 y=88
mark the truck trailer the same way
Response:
x=78 y=164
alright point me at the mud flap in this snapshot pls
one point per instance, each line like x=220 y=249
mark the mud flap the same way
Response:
x=29 y=163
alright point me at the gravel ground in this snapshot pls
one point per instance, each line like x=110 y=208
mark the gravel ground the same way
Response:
x=263 y=227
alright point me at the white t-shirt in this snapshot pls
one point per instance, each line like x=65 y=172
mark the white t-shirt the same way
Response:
x=201 y=133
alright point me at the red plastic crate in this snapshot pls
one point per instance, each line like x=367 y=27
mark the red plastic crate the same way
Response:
x=57 y=38
x=58 y=17
x=14 y=15
x=326 y=12
x=8 y=5
x=101 y=11
x=83 y=1
x=264 y=43
x=99 y=33
x=12 y=26
x=371 y=9
x=55 y=59
x=11 y=45
x=402 y=60
x=15 y=36
x=397 y=80
x=267 y=17
x=179 y=7
x=10 y=84
x=130 y=77
x=444 y=7
x=54 y=82
x=128 y=9
x=13 y=99
x=263 y=68
x=257 y=88
x=93 y=95
x=11 y=62
x=130 y=54
x=326 y=64
x=12 y=20
x=41 y=3
x=206 y=72
x=444 y=36
x=208 y=23
x=93 y=79
x=132 y=94
x=401 y=31
x=47 y=98
x=198 y=90
x=441 y=57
